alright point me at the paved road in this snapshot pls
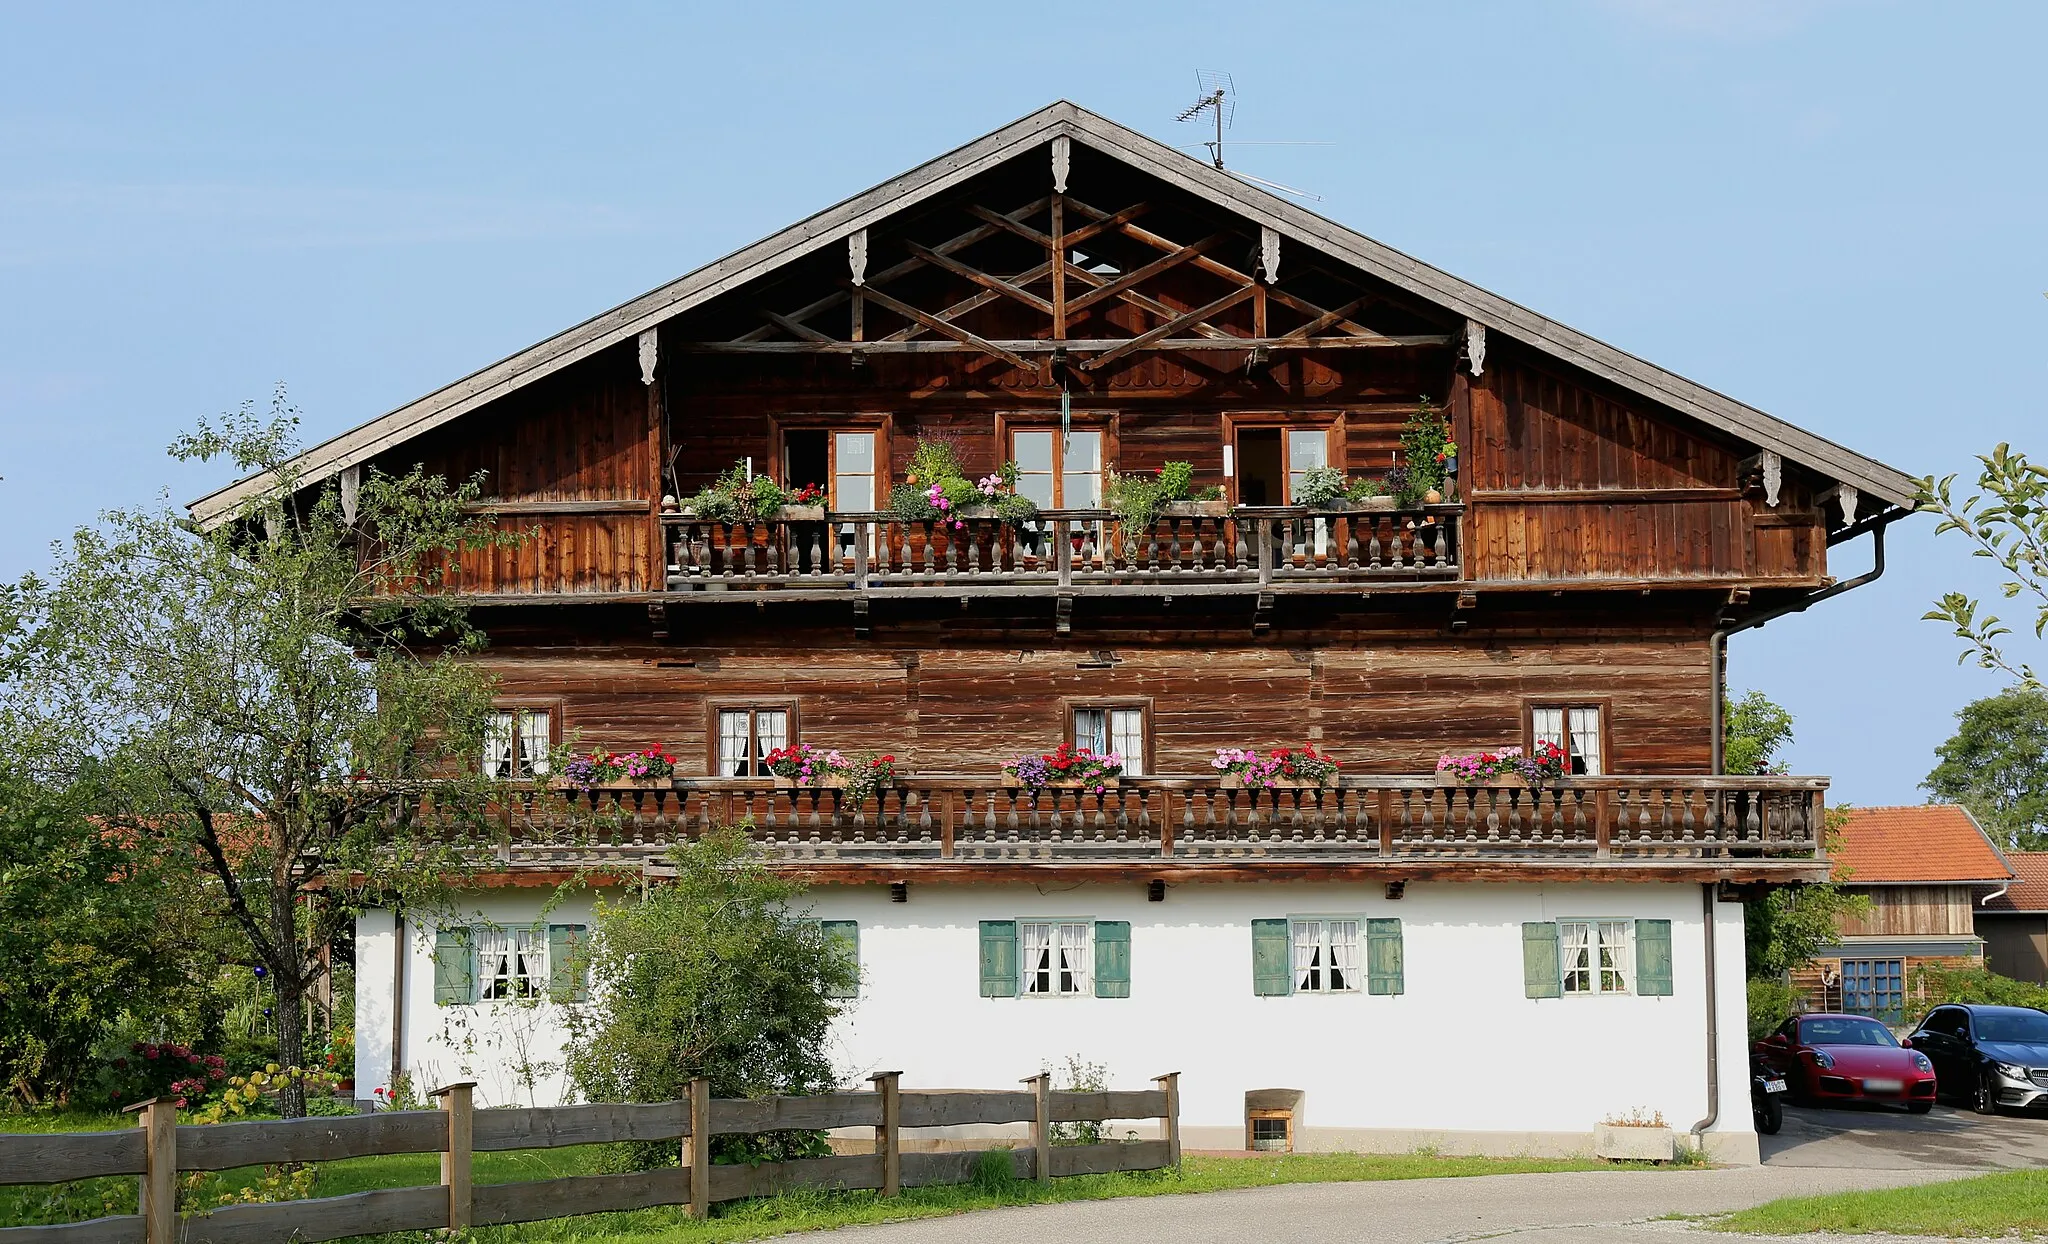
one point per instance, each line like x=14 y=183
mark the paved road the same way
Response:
x=1876 y=1138
x=1593 y=1207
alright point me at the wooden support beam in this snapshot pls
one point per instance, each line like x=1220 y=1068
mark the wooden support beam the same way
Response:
x=698 y=1159
x=888 y=1141
x=1324 y=320
x=994 y=284
x=894 y=344
x=1010 y=223
x=1144 y=339
x=1138 y=276
x=456 y=1102
x=792 y=327
x=946 y=328
x=1105 y=223
x=1059 y=266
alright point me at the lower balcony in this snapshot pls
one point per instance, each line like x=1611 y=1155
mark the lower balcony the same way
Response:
x=1192 y=827
x=1071 y=551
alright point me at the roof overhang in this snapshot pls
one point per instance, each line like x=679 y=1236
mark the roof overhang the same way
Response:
x=1063 y=119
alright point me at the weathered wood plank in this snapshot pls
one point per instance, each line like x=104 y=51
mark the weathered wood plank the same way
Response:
x=943 y=1108
x=123 y=1229
x=924 y=1169
x=732 y=1183
x=774 y=1114
x=327 y=1218
x=224 y=1146
x=579 y=1194
x=54 y=1157
x=1136 y=1155
x=550 y=1127
x=1070 y=1107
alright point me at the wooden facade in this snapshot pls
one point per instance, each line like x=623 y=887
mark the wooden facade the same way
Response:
x=1607 y=518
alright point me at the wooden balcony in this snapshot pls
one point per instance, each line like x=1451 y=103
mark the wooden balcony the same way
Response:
x=1068 y=552
x=1191 y=828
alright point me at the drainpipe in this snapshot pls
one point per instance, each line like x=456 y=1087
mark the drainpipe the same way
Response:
x=1995 y=894
x=1717 y=647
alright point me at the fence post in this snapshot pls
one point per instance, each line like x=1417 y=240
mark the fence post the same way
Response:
x=456 y=1102
x=157 y=1193
x=700 y=1148
x=888 y=1140
x=1170 y=1085
x=1041 y=1126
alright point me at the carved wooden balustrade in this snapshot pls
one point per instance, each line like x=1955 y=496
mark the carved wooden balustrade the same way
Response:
x=1250 y=549
x=1628 y=821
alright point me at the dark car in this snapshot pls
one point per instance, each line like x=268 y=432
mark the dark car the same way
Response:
x=1989 y=1056
x=1848 y=1058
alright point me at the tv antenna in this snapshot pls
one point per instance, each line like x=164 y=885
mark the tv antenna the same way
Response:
x=1218 y=97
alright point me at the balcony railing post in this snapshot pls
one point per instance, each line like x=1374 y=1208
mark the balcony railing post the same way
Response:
x=1063 y=546
x=1603 y=824
x=1262 y=532
x=863 y=531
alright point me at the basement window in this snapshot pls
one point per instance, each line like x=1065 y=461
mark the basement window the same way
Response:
x=1270 y=1131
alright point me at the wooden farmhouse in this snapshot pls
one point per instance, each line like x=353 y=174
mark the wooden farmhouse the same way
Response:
x=1054 y=305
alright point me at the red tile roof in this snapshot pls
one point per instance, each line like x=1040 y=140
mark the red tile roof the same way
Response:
x=2030 y=892
x=1931 y=842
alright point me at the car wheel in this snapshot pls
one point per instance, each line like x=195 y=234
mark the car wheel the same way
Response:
x=1987 y=1094
x=1770 y=1115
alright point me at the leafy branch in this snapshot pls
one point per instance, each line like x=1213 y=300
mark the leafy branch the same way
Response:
x=2007 y=523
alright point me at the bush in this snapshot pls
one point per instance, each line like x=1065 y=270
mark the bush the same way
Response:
x=1321 y=486
x=1939 y=985
x=1771 y=1002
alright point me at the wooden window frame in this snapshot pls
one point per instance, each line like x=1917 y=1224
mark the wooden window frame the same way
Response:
x=1250 y=1116
x=881 y=423
x=554 y=706
x=1604 y=704
x=712 y=708
x=1234 y=421
x=1107 y=422
x=1068 y=705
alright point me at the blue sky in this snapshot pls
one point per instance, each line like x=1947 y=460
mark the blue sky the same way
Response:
x=1832 y=210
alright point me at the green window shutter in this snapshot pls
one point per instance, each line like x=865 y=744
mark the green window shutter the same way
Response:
x=1383 y=957
x=1542 y=975
x=568 y=963
x=999 y=958
x=1112 y=958
x=454 y=966
x=1272 y=954
x=846 y=935
x=1653 y=958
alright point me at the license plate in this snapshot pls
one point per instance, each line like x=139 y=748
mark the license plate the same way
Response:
x=1883 y=1086
x=1774 y=1086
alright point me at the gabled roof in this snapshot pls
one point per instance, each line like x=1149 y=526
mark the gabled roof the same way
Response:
x=1063 y=119
x=2030 y=890
x=1935 y=842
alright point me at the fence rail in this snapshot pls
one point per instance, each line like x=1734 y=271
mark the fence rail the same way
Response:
x=941 y=817
x=1249 y=548
x=160 y=1149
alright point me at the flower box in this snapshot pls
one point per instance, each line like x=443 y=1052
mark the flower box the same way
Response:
x=823 y=781
x=801 y=514
x=1505 y=781
x=1010 y=781
x=1236 y=781
x=1195 y=509
x=1362 y=505
x=1634 y=1144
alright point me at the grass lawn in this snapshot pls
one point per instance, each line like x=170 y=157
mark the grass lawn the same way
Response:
x=2012 y=1204
x=747 y=1220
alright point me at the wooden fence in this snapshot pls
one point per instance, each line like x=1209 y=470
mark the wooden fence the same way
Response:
x=160 y=1149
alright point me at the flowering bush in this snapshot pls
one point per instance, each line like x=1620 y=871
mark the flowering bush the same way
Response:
x=600 y=768
x=936 y=489
x=739 y=496
x=809 y=494
x=1279 y=766
x=251 y=1094
x=1547 y=763
x=810 y=766
x=1065 y=764
x=161 y=1069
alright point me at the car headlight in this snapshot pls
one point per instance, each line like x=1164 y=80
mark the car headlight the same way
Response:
x=2009 y=1071
x=1824 y=1060
x=1922 y=1062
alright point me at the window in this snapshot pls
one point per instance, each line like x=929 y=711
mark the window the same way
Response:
x=491 y=962
x=1269 y=1131
x=1306 y=448
x=845 y=936
x=853 y=471
x=1105 y=728
x=1874 y=987
x=1056 y=956
x=516 y=742
x=1598 y=956
x=512 y=962
x=745 y=736
x=1326 y=956
x=1074 y=483
x=1575 y=728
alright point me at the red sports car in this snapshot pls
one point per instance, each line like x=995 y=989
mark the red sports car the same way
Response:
x=1838 y=1058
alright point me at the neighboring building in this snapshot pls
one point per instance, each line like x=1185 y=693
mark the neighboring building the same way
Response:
x=1379 y=965
x=2014 y=922
x=1925 y=870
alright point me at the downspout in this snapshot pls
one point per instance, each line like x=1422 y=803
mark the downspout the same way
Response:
x=397 y=998
x=1717 y=647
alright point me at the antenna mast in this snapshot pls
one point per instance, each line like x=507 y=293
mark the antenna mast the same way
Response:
x=1218 y=95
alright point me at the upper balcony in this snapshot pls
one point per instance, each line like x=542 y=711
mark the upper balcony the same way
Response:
x=1200 y=549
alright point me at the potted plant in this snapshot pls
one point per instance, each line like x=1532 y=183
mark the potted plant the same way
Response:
x=1066 y=767
x=805 y=505
x=800 y=766
x=1635 y=1137
x=1283 y=768
x=740 y=496
x=1428 y=452
x=936 y=490
x=601 y=768
x=1140 y=500
x=1506 y=768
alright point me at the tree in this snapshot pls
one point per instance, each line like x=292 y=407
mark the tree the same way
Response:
x=2007 y=523
x=709 y=975
x=266 y=702
x=86 y=926
x=1754 y=731
x=1996 y=765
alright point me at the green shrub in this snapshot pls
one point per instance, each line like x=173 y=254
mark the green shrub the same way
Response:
x=735 y=498
x=1978 y=985
x=1424 y=440
x=1771 y=1002
x=1175 y=478
x=1321 y=486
